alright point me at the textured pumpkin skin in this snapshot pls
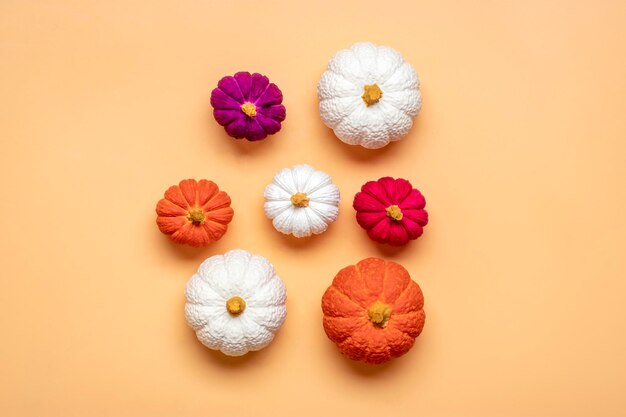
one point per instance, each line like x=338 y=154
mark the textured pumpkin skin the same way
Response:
x=369 y=95
x=354 y=290
x=203 y=199
x=264 y=112
x=317 y=207
x=235 y=275
x=372 y=203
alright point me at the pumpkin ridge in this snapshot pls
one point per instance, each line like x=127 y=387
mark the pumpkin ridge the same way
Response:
x=398 y=64
x=262 y=94
x=218 y=207
x=419 y=291
x=349 y=352
x=416 y=229
x=393 y=302
x=287 y=206
x=245 y=98
x=376 y=196
x=269 y=103
x=293 y=178
x=235 y=104
x=399 y=109
x=215 y=233
x=371 y=291
x=326 y=183
x=382 y=292
x=384 y=220
x=256 y=120
x=175 y=211
x=227 y=202
x=322 y=202
x=347 y=297
x=189 y=190
x=176 y=189
x=411 y=193
x=418 y=331
x=305 y=186
x=320 y=214
x=204 y=189
x=347 y=116
x=230 y=95
x=339 y=74
x=389 y=189
x=408 y=340
x=351 y=318
x=361 y=195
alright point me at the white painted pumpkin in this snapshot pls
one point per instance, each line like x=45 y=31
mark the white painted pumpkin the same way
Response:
x=369 y=95
x=235 y=302
x=301 y=201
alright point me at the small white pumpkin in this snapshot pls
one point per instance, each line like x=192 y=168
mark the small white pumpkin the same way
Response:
x=301 y=201
x=235 y=302
x=369 y=95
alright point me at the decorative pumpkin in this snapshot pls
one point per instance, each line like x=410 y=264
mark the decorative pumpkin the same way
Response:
x=373 y=311
x=194 y=212
x=235 y=302
x=301 y=201
x=248 y=106
x=369 y=95
x=391 y=211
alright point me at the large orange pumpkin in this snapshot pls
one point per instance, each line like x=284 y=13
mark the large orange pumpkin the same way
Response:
x=373 y=311
x=194 y=212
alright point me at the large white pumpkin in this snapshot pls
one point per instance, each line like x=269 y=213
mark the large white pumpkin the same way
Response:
x=369 y=95
x=235 y=302
x=301 y=201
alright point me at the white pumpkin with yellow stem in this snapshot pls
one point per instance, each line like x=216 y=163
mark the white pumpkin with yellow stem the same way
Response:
x=235 y=302
x=369 y=95
x=301 y=201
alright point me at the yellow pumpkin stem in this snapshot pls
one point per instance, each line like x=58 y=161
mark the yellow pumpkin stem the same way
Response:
x=235 y=305
x=196 y=216
x=249 y=109
x=300 y=200
x=379 y=314
x=395 y=212
x=371 y=94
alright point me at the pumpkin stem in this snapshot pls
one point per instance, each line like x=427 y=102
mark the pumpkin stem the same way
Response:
x=196 y=216
x=300 y=200
x=379 y=314
x=249 y=109
x=395 y=212
x=371 y=94
x=235 y=305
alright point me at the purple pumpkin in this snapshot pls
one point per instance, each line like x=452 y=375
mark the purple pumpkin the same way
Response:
x=248 y=106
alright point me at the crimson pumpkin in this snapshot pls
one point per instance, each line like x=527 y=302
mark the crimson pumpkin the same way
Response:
x=391 y=211
x=194 y=213
x=373 y=311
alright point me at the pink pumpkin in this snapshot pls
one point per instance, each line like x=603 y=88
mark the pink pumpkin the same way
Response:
x=391 y=211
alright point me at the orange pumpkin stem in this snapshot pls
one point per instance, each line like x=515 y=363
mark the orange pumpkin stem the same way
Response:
x=379 y=314
x=395 y=212
x=300 y=200
x=196 y=216
x=249 y=109
x=235 y=305
x=371 y=94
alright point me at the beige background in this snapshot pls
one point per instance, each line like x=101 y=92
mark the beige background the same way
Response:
x=520 y=151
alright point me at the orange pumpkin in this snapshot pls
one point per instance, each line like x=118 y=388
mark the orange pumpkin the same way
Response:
x=373 y=311
x=194 y=212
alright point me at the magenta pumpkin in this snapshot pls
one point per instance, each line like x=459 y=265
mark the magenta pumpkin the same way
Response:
x=391 y=211
x=248 y=106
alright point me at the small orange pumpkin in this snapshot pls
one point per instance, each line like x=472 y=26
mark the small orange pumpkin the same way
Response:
x=373 y=311
x=194 y=213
